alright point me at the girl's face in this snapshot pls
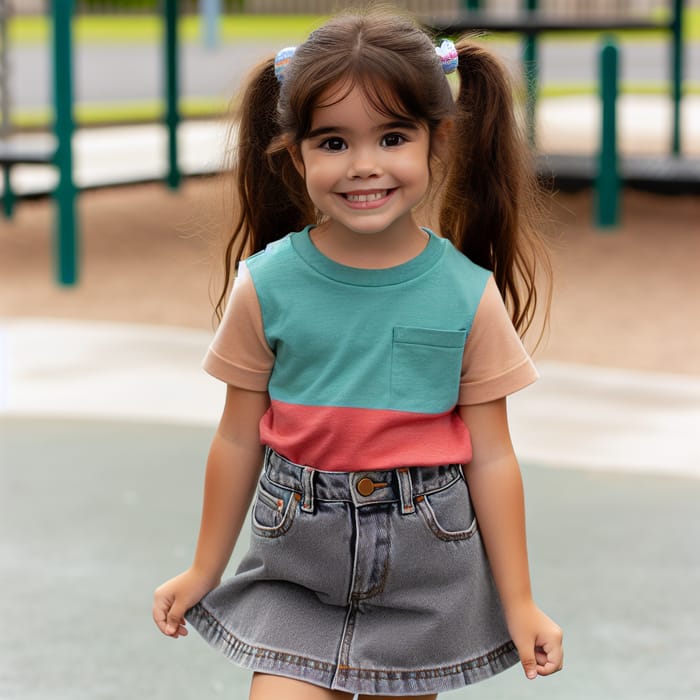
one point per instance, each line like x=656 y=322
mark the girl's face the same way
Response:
x=364 y=170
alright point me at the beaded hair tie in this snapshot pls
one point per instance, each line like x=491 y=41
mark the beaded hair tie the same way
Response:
x=447 y=53
x=282 y=60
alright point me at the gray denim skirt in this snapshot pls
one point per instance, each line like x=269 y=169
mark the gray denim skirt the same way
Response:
x=369 y=582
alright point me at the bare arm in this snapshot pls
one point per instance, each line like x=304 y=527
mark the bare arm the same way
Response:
x=496 y=487
x=233 y=465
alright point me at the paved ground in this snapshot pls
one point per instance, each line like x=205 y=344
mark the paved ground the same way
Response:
x=95 y=513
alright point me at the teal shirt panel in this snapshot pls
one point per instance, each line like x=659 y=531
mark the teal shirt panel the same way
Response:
x=389 y=339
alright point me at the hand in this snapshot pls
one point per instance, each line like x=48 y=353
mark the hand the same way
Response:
x=175 y=597
x=538 y=640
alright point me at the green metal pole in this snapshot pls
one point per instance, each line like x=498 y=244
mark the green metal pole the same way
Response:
x=677 y=73
x=531 y=74
x=66 y=239
x=471 y=4
x=608 y=181
x=8 y=194
x=172 y=116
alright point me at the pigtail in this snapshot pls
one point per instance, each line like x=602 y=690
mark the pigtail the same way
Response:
x=492 y=206
x=269 y=191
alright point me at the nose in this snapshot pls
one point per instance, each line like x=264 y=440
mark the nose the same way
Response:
x=364 y=164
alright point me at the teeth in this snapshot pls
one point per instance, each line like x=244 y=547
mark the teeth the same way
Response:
x=370 y=197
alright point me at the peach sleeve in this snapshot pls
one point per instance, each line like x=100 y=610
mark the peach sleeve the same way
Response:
x=239 y=354
x=495 y=362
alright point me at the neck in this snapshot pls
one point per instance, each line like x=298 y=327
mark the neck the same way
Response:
x=369 y=251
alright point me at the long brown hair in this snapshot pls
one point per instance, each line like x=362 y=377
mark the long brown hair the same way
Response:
x=488 y=199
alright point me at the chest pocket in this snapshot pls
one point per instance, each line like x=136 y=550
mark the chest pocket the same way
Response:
x=426 y=365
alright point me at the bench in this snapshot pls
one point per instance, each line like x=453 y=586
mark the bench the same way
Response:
x=660 y=174
x=12 y=154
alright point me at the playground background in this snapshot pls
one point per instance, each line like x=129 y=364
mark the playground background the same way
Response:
x=104 y=442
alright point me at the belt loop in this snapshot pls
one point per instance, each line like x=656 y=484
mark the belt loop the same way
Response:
x=405 y=491
x=307 y=490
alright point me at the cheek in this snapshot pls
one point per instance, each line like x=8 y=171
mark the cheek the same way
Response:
x=415 y=163
x=320 y=175
x=419 y=170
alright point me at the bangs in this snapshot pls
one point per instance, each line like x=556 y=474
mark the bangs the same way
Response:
x=394 y=94
x=380 y=96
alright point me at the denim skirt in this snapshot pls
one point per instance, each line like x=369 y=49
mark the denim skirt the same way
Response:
x=370 y=582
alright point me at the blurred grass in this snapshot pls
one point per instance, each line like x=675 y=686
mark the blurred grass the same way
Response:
x=626 y=88
x=123 y=112
x=147 y=29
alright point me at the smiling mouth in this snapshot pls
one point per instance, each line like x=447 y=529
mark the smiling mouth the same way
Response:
x=361 y=197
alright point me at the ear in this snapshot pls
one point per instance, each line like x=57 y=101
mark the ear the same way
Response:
x=294 y=151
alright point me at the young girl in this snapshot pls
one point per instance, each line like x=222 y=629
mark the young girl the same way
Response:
x=366 y=362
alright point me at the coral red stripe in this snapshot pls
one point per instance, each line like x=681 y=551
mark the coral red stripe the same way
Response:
x=358 y=439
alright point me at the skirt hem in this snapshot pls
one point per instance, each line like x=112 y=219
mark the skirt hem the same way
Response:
x=352 y=680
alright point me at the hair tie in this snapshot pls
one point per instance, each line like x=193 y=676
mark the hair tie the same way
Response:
x=447 y=52
x=282 y=61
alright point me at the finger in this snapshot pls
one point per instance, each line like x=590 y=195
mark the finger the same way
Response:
x=160 y=614
x=529 y=664
x=181 y=631
x=175 y=620
x=548 y=669
x=549 y=661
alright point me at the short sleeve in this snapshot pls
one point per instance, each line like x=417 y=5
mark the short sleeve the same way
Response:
x=239 y=354
x=495 y=362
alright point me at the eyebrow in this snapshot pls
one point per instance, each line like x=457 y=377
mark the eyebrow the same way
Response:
x=399 y=124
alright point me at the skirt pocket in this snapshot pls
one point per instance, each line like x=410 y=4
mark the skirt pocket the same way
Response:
x=273 y=510
x=449 y=513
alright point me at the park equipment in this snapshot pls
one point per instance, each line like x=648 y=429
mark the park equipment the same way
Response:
x=531 y=23
x=608 y=179
x=61 y=156
x=606 y=171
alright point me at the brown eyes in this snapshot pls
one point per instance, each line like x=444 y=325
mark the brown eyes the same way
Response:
x=336 y=143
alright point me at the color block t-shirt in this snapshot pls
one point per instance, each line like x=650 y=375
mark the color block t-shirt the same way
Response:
x=365 y=367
